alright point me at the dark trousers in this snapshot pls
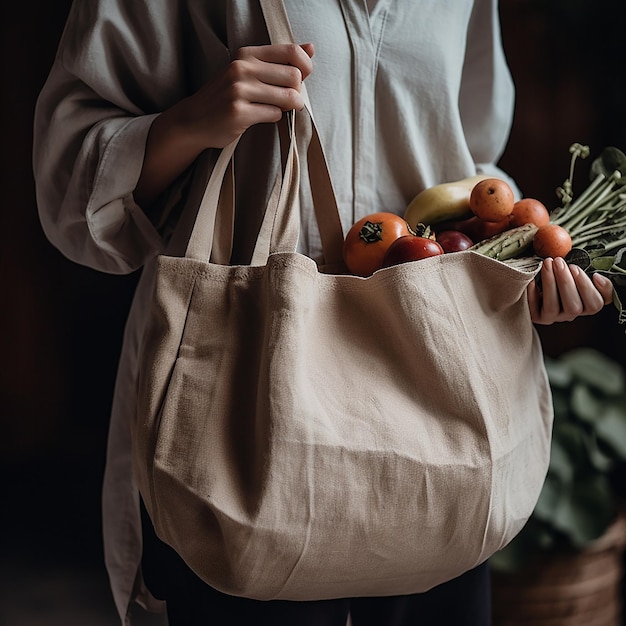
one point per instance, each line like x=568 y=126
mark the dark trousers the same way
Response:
x=464 y=601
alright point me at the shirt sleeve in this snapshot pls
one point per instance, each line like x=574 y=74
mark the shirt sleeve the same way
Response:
x=117 y=66
x=487 y=94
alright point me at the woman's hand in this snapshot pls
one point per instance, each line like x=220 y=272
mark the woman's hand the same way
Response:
x=566 y=293
x=257 y=86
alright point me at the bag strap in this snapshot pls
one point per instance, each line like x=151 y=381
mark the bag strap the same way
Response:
x=280 y=228
x=324 y=199
x=281 y=223
x=212 y=232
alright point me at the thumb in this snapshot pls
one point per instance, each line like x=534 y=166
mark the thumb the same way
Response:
x=604 y=286
x=309 y=48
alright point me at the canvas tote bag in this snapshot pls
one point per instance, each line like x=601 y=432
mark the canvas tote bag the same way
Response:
x=306 y=435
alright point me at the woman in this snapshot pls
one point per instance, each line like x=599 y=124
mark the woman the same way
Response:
x=140 y=99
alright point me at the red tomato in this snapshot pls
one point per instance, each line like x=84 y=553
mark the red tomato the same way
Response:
x=475 y=228
x=368 y=239
x=453 y=240
x=411 y=248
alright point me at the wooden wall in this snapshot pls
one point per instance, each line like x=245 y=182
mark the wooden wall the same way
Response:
x=566 y=62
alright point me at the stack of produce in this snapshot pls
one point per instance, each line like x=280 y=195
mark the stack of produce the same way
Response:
x=480 y=214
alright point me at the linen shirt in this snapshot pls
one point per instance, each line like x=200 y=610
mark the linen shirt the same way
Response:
x=405 y=94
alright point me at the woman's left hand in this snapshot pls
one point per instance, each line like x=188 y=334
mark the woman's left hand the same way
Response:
x=566 y=293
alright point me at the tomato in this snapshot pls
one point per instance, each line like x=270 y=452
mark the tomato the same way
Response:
x=475 y=228
x=411 y=248
x=492 y=200
x=453 y=240
x=529 y=211
x=552 y=240
x=481 y=230
x=369 y=238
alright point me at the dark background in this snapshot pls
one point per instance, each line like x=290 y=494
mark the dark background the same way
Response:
x=62 y=324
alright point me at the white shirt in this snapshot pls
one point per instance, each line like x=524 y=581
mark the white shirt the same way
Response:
x=405 y=93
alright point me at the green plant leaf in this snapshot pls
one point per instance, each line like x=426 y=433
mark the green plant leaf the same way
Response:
x=549 y=499
x=585 y=405
x=596 y=369
x=586 y=511
x=560 y=404
x=569 y=436
x=559 y=373
x=603 y=263
x=617 y=302
x=595 y=250
x=611 y=428
x=561 y=466
x=600 y=460
x=577 y=501
x=620 y=258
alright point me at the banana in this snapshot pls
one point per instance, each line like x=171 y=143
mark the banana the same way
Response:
x=447 y=201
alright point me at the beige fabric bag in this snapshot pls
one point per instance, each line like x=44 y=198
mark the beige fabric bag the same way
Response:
x=306 y=435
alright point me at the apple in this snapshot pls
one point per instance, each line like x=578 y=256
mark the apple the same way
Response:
x=411 y=248
x=453 y=240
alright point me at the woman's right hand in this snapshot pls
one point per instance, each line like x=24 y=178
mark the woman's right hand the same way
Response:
x=257 y=86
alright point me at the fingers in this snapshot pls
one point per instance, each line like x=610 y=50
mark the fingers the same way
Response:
x=568 y=287
x=604 y=286
x=257 y=82
x=256 y=87
x=282 y=54
x=270 y=76
x=550 y=302
x=593 y=299
x=567 y=293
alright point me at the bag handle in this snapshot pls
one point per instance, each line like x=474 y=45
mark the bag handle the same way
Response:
x=212 y=231
x=324 y=199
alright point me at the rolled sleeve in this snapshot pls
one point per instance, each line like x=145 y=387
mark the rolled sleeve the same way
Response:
x=87 y=160
x=117 y=225
x=93 y=116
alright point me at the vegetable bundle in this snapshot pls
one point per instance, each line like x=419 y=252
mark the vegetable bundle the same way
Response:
x=595 y=221
x=480 y=214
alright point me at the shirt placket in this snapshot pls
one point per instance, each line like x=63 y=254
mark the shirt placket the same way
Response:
x=365 y=36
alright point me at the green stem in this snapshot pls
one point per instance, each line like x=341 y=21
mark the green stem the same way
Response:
x=560 y=215
x=590 y=207
x=586 y=236
x=586 y=228
x=615 y=244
